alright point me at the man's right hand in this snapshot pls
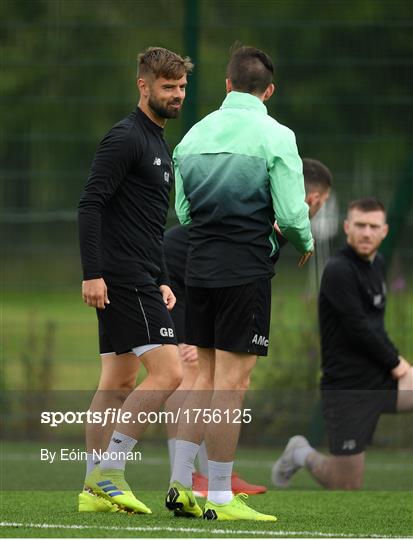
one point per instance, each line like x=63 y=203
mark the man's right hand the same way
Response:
x=304 y=258
x=401 y=369
x=188 y=353
x=95 y=293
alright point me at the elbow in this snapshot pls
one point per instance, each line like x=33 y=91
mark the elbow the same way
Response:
x=87 y=207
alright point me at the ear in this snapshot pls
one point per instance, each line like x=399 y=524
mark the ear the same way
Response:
x=346 y=226
x=385 y=230
x=228 y=85
x=142 y=87
x=310 y=197
x=269 y=92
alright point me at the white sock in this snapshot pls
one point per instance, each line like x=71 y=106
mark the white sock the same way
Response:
x=203 y=459
x=91 y=463
x=185 y=454
x=300 y=454
x=119 y=445
x=219 y=484
x=171 y=452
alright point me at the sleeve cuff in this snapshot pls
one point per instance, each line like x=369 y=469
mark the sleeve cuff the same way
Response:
x=394 y=362
x=91 y=275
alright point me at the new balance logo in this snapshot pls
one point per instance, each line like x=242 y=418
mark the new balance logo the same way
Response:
x=157 y=161
x=260 y=340
x=117 y=441
x=377 y=299
x=350 y=444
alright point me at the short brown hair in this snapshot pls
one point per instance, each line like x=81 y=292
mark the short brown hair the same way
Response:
x=317 y=177
x=161 y=62
x=249 y=69
x=367 y=204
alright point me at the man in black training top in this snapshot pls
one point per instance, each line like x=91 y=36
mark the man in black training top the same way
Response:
x=122 y=216
x=363 y=374
x=317 y=184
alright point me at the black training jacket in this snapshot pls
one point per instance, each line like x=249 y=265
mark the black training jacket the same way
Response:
x=356 y=351
x=176 y=244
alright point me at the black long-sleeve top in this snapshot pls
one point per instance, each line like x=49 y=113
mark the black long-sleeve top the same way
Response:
x=356 y=351
x=176 y=244
x=123 y=209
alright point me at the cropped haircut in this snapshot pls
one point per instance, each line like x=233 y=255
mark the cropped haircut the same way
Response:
x=249 y=69
x=366 y=204
x=161 y=62
x=317 y=177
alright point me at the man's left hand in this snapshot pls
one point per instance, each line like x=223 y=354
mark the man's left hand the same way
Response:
x=168 y=296
x=401 y=369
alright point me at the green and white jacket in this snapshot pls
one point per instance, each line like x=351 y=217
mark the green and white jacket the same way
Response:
x=236 y=172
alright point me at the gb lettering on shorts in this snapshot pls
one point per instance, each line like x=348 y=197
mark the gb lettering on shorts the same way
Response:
x=167 y=332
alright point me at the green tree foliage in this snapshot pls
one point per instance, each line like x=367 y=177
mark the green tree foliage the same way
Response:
x=68 y=68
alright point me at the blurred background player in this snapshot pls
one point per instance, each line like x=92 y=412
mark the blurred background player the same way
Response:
x=122 y=215
x=363 y=374
x=317 y=183
x=237 y=171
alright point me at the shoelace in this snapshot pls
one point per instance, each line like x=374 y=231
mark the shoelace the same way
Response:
x=241 y=500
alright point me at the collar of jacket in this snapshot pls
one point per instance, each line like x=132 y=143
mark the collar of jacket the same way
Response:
x=349 y=251
x=243 y=100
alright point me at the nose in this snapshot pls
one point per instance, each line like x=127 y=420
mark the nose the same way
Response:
x=180 y=93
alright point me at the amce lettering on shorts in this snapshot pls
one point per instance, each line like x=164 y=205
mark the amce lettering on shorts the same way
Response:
x=260 y=340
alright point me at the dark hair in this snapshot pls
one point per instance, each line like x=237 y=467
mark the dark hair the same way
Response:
x=249 y=69
x=161 y=62
x=367 y=204
x=317 y=177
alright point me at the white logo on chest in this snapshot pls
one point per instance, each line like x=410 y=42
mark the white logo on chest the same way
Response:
x=377 y=299
x=166 y=177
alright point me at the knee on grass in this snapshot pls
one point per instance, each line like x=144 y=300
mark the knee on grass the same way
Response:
x=347 y=484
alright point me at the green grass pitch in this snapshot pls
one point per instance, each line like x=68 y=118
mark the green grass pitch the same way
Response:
x=383 y=508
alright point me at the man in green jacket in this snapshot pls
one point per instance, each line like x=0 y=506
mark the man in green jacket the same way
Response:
x=237 y=172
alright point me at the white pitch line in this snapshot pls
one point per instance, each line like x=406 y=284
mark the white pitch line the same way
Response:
x=191 y=530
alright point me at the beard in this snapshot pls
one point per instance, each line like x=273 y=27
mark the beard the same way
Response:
x=164 y=111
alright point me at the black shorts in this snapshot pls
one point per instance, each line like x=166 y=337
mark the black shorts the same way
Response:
x=136 y=316
x=351 y=416
x=178 y=312
x=235 y=319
